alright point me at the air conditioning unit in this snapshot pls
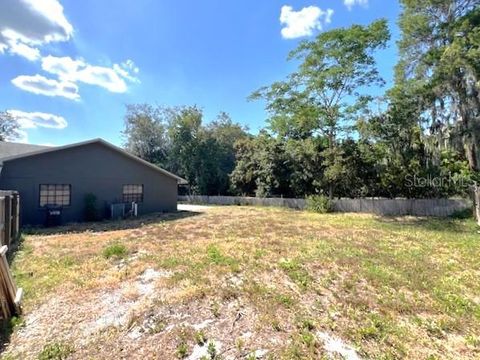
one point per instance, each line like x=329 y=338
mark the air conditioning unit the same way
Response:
x=117 y=211
x=123 y=210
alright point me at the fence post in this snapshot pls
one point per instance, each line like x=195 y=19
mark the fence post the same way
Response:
x=7 y=220
x=476 y=201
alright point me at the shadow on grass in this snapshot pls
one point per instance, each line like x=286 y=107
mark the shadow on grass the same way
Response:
x=7 y=327
x=110 y=225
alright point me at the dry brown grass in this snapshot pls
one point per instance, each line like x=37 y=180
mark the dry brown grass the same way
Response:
x=252 y=279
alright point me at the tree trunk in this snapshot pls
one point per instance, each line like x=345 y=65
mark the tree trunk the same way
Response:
x=331 y=146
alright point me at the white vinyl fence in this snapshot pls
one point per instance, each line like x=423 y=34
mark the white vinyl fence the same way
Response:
x=379 y=206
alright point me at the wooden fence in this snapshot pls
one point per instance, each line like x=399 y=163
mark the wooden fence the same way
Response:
x=9 y=217
x=10 y=296
x=379 y=206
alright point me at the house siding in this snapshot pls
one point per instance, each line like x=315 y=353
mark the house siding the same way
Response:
x=90 y=168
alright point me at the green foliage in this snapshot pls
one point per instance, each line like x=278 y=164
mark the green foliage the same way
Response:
x=8 y=126
x=323 y=95
x=200 y=337
x=296 y=272
x=438 y=67
x=55 y=351
x=216 y=257
x=145 y=132
x=324 y=134
x=182 y=350
x=212 y=350
x=174 y=138
x=462 y=214
x=319 y=204
x=115 y=251
x=90 y=210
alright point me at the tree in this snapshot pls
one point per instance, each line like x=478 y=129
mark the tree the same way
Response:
x=323 y=96
x=176 y=139
x=184 y=131
x=220 y=137
x=439 y=52
x=262 y=167
x=145 y=132
x=8 y=126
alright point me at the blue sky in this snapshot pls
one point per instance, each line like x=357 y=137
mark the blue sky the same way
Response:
x=68 y=67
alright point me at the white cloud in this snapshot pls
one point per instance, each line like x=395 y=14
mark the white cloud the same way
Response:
x=303 y=22
x=111 y=78
x=40 y=85
x=21 y=49
x=351 y=3
x=128 y=70
x=33 y=120
x=26 y=24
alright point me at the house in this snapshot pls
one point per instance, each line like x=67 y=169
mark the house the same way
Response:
x=56 y=180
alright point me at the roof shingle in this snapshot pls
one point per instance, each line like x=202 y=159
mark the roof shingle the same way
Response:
x=8 y=149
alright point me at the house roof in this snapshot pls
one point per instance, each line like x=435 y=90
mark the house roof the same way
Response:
x=13 y=151
x=9 y=149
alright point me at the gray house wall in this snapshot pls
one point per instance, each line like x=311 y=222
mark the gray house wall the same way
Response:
x=91 y=168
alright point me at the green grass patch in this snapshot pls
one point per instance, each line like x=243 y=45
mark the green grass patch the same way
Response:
x=296 y=272
x=116 y=250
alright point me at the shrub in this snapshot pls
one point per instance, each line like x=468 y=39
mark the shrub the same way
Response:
x=114 y=250
x=90 y=211
x=319 y=204
x=462 y=214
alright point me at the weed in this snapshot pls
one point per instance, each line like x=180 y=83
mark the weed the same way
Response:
x=116 y=250
x=239 y=343
x=200 y=337
x=182 y=350
x=212 y=350
x=376 y=328
x=216 y=257
x=215 y=308
x=473 y=341
x=306 y=324
x=55 y=351
x=308 y=338
x=296 y=272
x=285 y=300
x=319 y=204
x=157 y=327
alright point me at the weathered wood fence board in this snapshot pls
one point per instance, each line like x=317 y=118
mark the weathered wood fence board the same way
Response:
x=10 y=296
x=9 y=217
x=380 y=206
x=476 y=200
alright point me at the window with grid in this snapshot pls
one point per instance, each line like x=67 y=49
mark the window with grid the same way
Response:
x=133 y=193
x=55 y=194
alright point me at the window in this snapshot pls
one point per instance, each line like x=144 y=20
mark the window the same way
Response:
x=132 y=193
x=55 y=194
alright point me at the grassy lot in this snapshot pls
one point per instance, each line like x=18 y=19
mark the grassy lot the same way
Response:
x=246 y=282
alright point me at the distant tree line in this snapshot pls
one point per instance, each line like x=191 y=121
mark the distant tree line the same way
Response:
x=326 y=134
x=177 y=139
